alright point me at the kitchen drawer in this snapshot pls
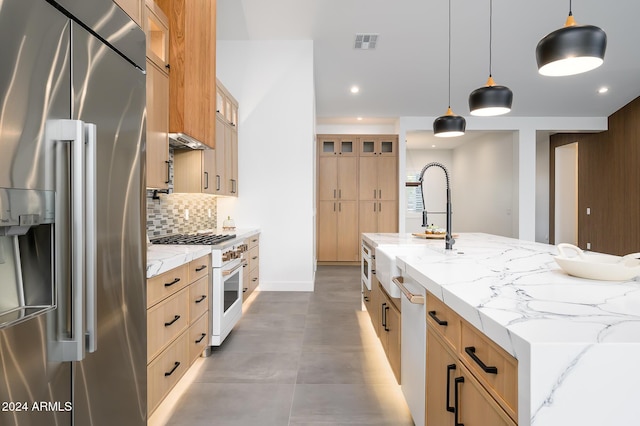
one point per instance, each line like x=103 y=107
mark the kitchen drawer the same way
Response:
x=198 y=298
x=166 y=321
x=198 y=340
x=503 y=384
x=254 y=278
x=437 y=315
x=253 y=241
x=166 y=284
x=199 y=267
x=253 y=257
x=165 y=371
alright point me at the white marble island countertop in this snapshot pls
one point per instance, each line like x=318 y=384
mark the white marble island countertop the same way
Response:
x=577 y=341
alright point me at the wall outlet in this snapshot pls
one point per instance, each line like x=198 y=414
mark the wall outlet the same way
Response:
x=588 y=211
x=186 y=214
x=588 y=246
x=209 y=213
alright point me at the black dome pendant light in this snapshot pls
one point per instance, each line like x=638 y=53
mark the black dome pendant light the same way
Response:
x=491 y=99
x=572 y=49
x=449 y=125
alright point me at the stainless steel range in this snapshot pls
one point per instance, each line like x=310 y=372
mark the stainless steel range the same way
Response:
x=225 y=303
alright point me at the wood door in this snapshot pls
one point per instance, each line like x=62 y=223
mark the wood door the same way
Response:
x=233 y=159
x=347 y=146
x=438 y=374
x=368 y=216
x=220 y=176
x=387 y=175
x=187 y=171
x=387 y=145
x=133 y=8
x=327 y=230
x=348 y=241
x=157 y=127
x=387 y=216
x=328 y=145
x=228 y=160
x=327 y=178
x=347 y=178
x=367 y=146
x=376 y=296
x=209 y=171
x=157 y=32
x=368 y=178
x=394 y=339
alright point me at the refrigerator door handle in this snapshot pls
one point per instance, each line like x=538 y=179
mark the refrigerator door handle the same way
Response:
x=91 y=244
x=67 y=342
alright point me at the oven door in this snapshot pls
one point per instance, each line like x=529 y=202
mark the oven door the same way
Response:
x=367 y=265
x=226 y=300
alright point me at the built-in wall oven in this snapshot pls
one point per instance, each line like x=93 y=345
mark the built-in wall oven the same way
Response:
x=226 y=299
x=367 y=265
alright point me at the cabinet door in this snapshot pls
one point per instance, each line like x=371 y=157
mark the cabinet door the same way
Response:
x=368 y=145
x=348 y=248
x=328 y=145
x=220 y=177
x=157 y=127
x=375 y=304
x=157 y=32
x=133 y=8
x=327 y=178
x=387 y=178
x=209 y=171
x=387 y=216
x=347 y=147
x=439 y=382
x=368 y=216
x=231 y=159
x=387 y=145
x=187 y=171
x=347 y=178
x=327 y=230
x=394 y=339
x=368 y=178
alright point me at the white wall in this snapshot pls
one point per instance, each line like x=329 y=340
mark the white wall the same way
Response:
x=356 y=129
x=273 y=83
x=483 y=185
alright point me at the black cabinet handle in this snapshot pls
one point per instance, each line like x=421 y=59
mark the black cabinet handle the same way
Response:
x=366 y=299
x=201 y=268
x=432 y=314
x=450 y=368
x=201 y=337
x=175 y=281
x=471 y=351
x=176 y=365
x=206 y=180
x=385 y=318
x=168 y=66
x=176 y=318
x=168 y=171
x=254 y=279
x=204 y=296
x=456 y=399
x=254 y=257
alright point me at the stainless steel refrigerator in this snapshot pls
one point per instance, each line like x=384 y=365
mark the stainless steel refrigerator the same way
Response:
x=72 y=258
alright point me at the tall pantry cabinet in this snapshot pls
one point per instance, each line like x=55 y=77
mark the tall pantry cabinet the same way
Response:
x=357 y=192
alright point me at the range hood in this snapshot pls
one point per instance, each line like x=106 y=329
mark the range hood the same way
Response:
x=181 y=140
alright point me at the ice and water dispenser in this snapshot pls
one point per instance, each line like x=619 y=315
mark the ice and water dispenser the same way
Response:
x=27 y=283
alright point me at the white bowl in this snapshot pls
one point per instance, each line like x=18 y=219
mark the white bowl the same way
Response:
x=595 y=266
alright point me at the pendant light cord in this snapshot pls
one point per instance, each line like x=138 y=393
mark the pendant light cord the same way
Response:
x=449 y=53
x=570 y=9
x=490 y=33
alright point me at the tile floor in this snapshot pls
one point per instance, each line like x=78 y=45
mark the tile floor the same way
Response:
x=298 y=359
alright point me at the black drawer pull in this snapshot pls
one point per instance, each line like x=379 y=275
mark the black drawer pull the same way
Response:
x=176 y=318
x=254 y=257
x=386 y=308
x=456 y=397
x=471 y=351
x=254 y=279
x=432 y=314
x=201 y=268
x=201 y=337
x=204 y=296
x=176 y=365
x=450 y=368
x=175 y=281
x=244 y=290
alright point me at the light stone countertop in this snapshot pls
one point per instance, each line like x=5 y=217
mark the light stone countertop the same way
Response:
x=577 y=341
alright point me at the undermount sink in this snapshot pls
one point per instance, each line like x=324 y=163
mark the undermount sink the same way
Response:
x=386 y=267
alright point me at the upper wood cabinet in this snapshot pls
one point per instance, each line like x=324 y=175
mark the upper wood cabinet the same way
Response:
x=156 y=28
x=385 y=145
x=133 y=8
x=337 y=145
x=226 y=105
x=226 y=143
x=194 y=171
x=192 y=57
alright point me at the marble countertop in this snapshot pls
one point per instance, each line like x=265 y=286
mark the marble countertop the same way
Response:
x=163 y=257
x=577 y=341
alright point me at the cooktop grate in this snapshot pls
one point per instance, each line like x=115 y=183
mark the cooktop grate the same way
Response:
x=193 y=239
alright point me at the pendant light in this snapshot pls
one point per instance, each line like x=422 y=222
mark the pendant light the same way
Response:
x=449 y=125
x=491 y=99
x=573 y=49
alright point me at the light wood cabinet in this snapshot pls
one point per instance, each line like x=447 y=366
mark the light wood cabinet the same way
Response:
x=378 y=178
x=384 y=312
x=338 y=178
x=133 y=8
x=157 y=148
x=378 y=145
x=337 y=145
x=226 y=182
x=338 y=238
x=192 y=56
x=469 y=379
x=251 y=272
x=177 y=325
x=378 y=216
x=194 y=171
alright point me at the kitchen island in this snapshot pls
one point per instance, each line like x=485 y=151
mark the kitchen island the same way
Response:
x=576 y=341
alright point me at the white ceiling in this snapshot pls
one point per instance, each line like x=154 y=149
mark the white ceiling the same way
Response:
x=406 y=75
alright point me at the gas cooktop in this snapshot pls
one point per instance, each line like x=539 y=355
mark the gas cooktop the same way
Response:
x=193 y=239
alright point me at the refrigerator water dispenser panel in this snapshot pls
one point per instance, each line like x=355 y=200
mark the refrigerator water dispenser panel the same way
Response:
x=27 y=286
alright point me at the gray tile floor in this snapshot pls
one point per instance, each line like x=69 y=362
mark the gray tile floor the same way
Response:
x=298 y=359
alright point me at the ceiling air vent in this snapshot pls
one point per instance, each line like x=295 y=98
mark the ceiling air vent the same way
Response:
x=366 y=41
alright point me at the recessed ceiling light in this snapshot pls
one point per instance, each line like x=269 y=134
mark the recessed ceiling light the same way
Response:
x=603 y=90
x=359 y=118
x=355 y=89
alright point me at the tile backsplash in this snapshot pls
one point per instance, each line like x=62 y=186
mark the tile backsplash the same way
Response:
x=168 y=215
